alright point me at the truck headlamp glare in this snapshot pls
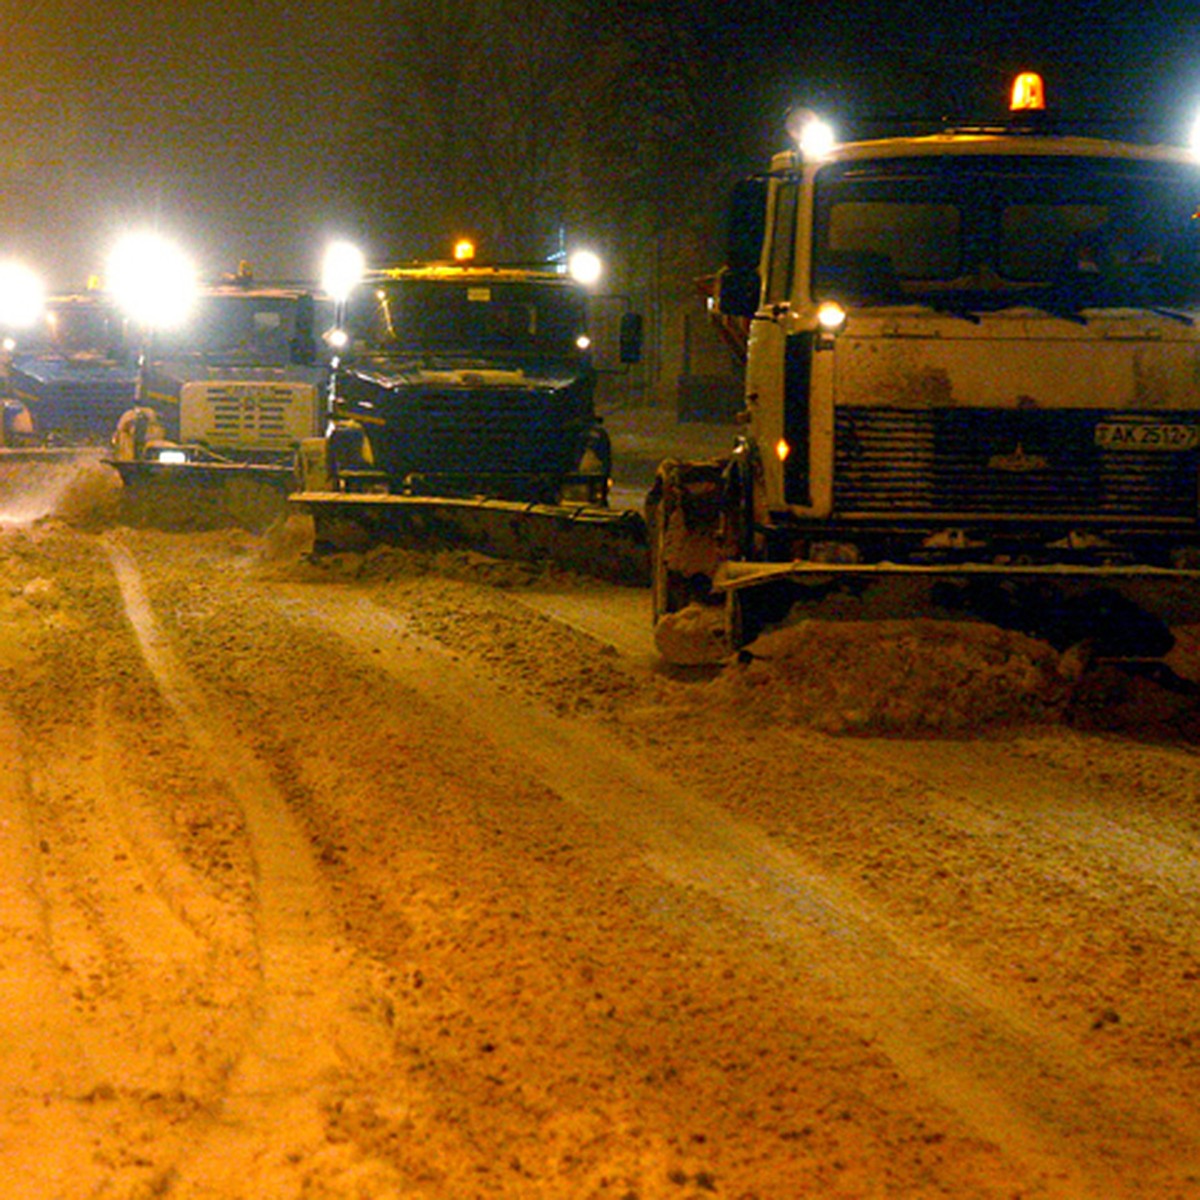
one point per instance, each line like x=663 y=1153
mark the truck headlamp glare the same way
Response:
x=22 y=297
x=831 y=317
x=585 y=266
x=341 y=269
x=153 y=280
x=814 y=138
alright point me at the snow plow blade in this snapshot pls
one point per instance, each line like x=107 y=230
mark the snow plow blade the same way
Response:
x=609 y=544
x=49 y=454
x=1120 y=611
x=204 y=495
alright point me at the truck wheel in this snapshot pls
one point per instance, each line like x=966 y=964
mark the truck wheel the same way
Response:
x=312 y=466
x=136 y=429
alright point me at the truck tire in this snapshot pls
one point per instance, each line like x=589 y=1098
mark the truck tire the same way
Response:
x=313 y=472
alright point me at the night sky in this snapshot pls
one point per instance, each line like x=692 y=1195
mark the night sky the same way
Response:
x=221 y=121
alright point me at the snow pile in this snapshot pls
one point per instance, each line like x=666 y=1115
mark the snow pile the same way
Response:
x=384 y=562
x=898 y=676
x=81 y=491
x=90 y=496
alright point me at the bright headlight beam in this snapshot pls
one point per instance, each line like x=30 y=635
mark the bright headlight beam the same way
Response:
x=152 y=280
x=585 y=266
x=22 y=296
x=341 y=268
x=813 y=136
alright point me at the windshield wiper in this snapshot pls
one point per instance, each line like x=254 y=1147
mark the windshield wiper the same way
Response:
x=965 y=312
x=1169 y=314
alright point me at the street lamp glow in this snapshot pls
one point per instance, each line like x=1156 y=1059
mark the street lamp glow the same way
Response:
x=152 y=280
x=22 y=296
x=342 y=267
x=585 y=267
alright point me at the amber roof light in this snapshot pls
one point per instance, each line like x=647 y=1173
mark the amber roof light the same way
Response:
x=1028 y=93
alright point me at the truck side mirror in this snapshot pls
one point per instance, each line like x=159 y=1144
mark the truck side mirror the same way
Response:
x=746 y=226
x=631 y=337
x=738 y=291
x=303 y=346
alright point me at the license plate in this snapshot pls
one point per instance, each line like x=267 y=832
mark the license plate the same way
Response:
x=1156 y=435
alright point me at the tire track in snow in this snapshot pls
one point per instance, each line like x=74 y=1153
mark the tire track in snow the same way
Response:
x=305 y=1037
x=1085 y=1127
x=37 y=1026
x=972 y=792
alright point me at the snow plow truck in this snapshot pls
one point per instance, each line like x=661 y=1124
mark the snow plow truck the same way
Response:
x=972 y=390
x=68 y=378
x=224 y=401
x=462 y=414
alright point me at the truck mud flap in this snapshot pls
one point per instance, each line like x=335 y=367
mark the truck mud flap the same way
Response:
x=609 y=544
x=204 y=495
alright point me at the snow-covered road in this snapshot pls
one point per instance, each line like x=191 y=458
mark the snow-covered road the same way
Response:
x=419 y=876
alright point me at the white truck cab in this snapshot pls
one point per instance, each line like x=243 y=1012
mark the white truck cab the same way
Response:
x=972 y=385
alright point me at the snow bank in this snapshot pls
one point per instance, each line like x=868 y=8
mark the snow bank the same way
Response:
x=903 y=676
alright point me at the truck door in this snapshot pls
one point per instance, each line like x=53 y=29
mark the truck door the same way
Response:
x=783 y=393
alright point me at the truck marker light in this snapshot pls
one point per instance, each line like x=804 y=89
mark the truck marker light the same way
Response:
x=1028 y=93
x=782 y=449
x=831 y=316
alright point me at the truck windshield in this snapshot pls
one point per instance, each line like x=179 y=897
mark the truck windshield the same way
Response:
x=519 y=319
x=258 y=328
x=992 y=231
x=76 y=327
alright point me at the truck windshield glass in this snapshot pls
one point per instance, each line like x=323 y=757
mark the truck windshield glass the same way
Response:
x=992 y=231
x=76 y=328
x=255 y=327
x=419 y=316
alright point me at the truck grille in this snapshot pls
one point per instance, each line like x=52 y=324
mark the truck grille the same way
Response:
x=479 y=433
x=81 y=410
x=992 y=463
x=248 y=416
